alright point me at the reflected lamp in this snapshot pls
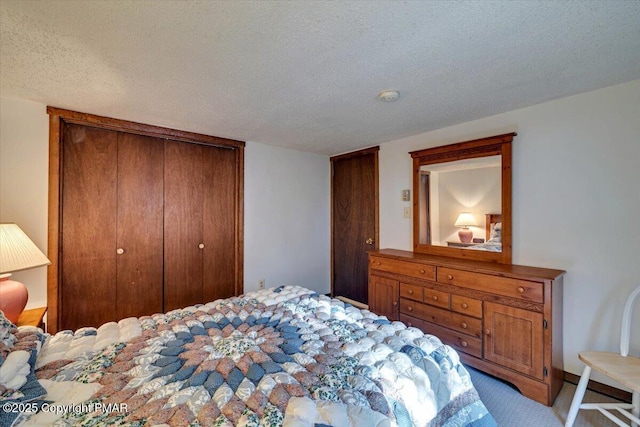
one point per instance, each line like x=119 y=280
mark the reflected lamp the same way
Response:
x=17 y=253
x=465 y=220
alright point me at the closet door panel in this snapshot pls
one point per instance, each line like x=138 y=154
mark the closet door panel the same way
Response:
x=88 y=227
x=219 y=222
x=182 y=225
x=140 y=225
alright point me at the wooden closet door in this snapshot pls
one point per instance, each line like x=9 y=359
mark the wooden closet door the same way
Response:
x=183 y=203
x=219 y=222
x=354 y=207
x=140 y=225
x=88 y=227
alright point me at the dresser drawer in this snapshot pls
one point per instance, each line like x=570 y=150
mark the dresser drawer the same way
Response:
x=437 y=298
x=465 y=305
x=460 y=342
x=449 y=319
x=514 y=288
x=402 y=267
x=411 y=291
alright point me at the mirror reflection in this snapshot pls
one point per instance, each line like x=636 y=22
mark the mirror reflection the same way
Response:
x=460 y=204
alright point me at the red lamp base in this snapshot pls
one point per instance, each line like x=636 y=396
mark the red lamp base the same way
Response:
x=13 y=298
x=465 y=235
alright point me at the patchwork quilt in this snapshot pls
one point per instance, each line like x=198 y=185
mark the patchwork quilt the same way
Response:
x=279 y=357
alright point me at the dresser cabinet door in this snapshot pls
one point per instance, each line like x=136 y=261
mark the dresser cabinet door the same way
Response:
x=383 y=296
x=514 y=338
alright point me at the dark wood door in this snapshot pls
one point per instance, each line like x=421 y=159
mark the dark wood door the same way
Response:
x=88 y=226
x=107 y=189
x=354 y=221
x=139 y=225
x=219 y=222
x=183 y=218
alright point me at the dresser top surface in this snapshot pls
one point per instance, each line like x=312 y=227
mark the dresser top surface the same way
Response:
x=509 y=270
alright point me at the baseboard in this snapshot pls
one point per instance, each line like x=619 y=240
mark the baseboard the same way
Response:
x=607 y=390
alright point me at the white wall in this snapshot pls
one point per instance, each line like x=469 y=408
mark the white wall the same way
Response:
x=286 y=239
x=24 y=177
x=576 y=201
x=470 y=190
x=286 y=203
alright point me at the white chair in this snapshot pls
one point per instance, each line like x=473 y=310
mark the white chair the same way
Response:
x=622 y=368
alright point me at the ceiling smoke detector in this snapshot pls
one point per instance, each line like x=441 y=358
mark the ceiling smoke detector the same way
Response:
x=389 y=95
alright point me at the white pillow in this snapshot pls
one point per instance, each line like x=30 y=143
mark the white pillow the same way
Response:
x=496 y=232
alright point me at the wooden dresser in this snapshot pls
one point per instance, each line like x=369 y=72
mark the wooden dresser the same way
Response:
x=505 y=320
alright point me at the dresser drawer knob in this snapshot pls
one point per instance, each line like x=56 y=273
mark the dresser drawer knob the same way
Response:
x=422 y=271
x=435 y=297
x=119 y=251
x=409 y=324
x=410 y=308
x=449 y=276
x=465 y=305
x=464 y=325
x=487 y=332
x=410 y=291
x=464 y=344
x=395 y=303
x=521 y=289
x=377 y=262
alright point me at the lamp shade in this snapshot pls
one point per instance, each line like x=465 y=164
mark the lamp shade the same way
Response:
x=17 y=251
x=465 y=219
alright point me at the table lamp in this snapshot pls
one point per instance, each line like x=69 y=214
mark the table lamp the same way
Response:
x=465 y=219
x=17 y=252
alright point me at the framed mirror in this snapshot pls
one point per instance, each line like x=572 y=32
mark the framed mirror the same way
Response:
x=462 y=199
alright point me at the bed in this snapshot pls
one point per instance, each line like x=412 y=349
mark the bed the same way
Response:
x=284 y=356
x=493 y=233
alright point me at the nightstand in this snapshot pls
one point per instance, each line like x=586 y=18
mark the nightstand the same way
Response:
x=460 y=244
x=32 y=317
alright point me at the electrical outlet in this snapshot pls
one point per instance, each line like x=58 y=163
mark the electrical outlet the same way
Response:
x=261 y=284
x=407 y=212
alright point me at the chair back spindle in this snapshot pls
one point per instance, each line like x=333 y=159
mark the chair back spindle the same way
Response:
x=626 y=322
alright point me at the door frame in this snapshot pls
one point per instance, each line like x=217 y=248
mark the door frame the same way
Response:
x=57 y=119
x=366 y=151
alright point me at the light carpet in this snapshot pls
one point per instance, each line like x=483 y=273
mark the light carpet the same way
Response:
x=512 y=409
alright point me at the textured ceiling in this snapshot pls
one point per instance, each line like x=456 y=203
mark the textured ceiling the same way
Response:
x=306 y=74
